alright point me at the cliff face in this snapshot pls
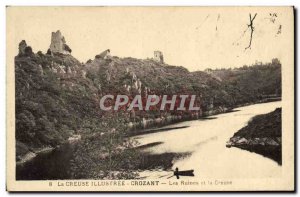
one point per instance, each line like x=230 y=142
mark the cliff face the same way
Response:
x=262 y=135
x=58 y=97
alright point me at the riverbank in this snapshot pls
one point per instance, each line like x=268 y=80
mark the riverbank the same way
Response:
x=262 y=135
x=153 y=125
x=25 y=154
x=146 y=126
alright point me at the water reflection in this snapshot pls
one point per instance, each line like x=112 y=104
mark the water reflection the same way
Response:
x=206 y=141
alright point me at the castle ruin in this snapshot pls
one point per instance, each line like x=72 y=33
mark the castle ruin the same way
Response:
x=58 y=44
x=104 y=55
x=22 y=47
x=158 y=56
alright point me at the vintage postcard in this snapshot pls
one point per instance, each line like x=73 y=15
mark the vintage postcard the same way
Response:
x=150 y=99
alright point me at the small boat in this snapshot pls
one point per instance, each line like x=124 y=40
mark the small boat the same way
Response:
x=178 y=173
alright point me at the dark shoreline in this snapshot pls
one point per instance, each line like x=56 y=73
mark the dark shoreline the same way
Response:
x=164 y=127
x=262 y=135
x=271 y=152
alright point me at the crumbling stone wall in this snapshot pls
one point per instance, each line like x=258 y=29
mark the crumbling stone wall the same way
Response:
x=158 y=56
x=104 y=55
x=58 y=44
x=22 y=46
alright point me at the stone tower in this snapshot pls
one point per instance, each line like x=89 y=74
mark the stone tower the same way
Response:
x=22 y=47
x=158 y=56
x=58 y=44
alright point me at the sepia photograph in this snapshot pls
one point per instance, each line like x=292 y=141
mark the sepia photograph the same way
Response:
x=150 y=99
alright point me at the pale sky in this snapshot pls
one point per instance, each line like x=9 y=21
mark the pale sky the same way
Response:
x=193 y=37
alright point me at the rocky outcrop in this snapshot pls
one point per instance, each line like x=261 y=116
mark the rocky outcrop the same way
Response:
x=264 y=141
x=24 y=50
x=74 y=139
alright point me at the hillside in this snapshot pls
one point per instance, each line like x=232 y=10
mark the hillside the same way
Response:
x=251 y=83
x=57 y=97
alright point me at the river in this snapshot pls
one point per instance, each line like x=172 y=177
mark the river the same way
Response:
x=202 y=141
x=205 y=140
